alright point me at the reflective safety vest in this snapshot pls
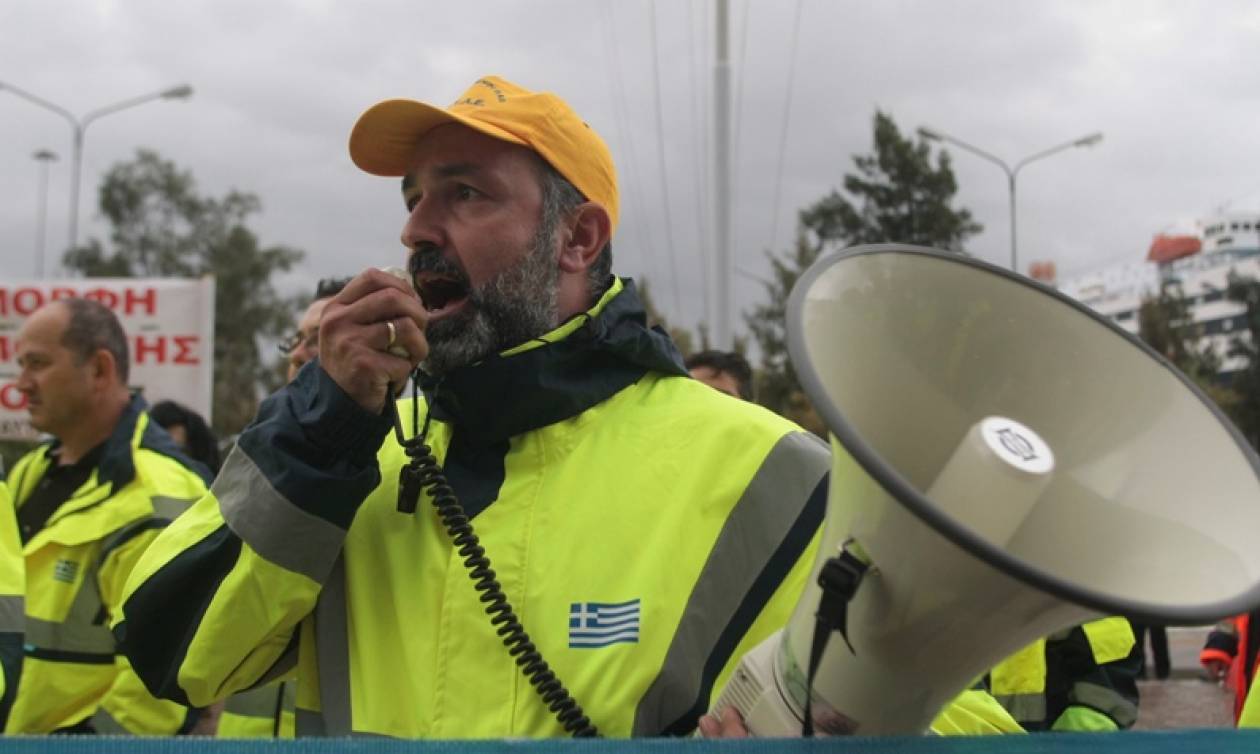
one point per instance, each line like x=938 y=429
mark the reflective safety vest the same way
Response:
x=647 y=530
x=264 y=712
x=1082 y=678
x=12 y=586
x=76 y=567
x=1250 y=717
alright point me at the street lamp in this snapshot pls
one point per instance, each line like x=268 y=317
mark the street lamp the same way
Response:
x=44 y=157
x=1084 y=141
x=79 y=125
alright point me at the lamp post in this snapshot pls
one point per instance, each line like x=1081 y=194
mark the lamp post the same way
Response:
x=1011 y=173
x=43 y=157
x=79 y=125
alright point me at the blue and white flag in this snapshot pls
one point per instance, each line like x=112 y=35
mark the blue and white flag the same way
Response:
x=598 y=624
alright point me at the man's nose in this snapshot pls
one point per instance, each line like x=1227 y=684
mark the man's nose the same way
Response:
x=423 y=225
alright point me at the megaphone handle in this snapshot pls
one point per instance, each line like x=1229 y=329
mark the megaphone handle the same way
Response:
x=839 y=578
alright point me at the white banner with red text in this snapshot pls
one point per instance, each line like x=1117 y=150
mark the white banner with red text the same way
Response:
x=170 y=334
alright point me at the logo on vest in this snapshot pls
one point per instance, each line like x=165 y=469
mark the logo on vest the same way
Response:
x=599 y=624
x=65 y=571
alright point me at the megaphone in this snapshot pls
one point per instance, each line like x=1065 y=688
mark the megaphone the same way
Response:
x=1006 y=463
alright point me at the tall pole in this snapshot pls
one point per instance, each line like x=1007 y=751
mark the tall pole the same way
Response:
x=1011 y=172
x=721 y=325
x=78 y=126
x=44 y=157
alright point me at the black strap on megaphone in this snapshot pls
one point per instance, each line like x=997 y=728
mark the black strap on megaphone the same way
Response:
x=839 y=579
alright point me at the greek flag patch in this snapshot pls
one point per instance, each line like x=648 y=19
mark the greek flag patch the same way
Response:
x=598 y=624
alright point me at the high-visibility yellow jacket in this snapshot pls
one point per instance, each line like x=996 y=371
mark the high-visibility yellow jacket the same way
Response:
x=76 y=567
x=647 y=529
x=1250 y=716
x=12 y=587
x=265 y=712
x=1080 y=679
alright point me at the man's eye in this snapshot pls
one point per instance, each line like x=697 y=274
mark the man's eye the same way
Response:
x=467 y=192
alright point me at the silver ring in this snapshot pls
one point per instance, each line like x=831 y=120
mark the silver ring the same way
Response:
x=393 y=334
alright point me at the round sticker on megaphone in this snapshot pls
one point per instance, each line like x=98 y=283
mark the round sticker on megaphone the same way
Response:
x=1017 y=445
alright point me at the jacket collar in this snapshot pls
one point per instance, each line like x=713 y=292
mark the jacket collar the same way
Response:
x=583 y=362
x=116 y=466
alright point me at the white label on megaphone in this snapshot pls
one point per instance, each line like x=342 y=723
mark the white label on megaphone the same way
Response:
x=994 y=478
x=1017 y=445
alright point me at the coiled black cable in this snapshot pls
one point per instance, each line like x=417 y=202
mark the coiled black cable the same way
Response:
x=422 y=472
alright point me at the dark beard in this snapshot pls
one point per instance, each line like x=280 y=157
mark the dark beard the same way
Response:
x=516 y=306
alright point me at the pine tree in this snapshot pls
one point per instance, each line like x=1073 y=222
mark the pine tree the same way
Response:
x=897 y=194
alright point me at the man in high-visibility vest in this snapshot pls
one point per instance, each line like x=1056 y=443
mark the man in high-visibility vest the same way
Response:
x=88 y=504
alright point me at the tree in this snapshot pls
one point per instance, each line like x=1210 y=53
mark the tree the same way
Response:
x=682 y=337
x=896 y=195
x=1245 y=408
x=161 y=226
x=1166 y=324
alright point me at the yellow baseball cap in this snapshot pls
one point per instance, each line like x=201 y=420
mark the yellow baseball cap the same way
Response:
x=384 y=139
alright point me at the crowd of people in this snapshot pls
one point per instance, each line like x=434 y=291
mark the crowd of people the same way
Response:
x=501 y=443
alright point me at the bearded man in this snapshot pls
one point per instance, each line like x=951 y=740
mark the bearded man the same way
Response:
x=638 y=530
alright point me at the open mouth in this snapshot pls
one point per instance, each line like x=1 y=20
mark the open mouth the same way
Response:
x=440 y=293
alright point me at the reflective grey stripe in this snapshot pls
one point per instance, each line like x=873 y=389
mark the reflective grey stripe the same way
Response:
x=12 y=614
x=84 y=628
x=755 y=528
x=71 y=636
x=169 y=508
x=1106 y=701
x=259 y=702
x=275 y=528
x=332 y=652
x=105 y=725
x=308 y=723
x=1025 y=708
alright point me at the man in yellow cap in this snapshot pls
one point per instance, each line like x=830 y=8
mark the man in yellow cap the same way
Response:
x=630 y=532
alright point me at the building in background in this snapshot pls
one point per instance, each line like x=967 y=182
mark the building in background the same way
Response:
x=1201 y=263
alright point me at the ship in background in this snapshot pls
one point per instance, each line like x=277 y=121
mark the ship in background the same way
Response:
x=1201 y=263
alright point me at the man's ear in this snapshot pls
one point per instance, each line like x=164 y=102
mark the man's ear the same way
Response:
x=103 y=367
x=586 y=234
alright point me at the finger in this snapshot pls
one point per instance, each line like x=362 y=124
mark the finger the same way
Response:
x=380 y=305
x=709 y=727
x=732 y=724
x=368 y=281
x=408 y=337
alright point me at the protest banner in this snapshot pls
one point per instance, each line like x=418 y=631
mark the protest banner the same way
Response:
x=170 y=333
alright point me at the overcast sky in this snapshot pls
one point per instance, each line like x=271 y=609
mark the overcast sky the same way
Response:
x=1174 y=86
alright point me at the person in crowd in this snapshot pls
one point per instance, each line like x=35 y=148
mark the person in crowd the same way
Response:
x=88 y=503
x=1232 y=655
x=727 y=371
x=1158 y=635
x=12 y=615
x=189 y=431
x=1081 y=679
x=303 y=344
x=269 y=711
x=627 y=530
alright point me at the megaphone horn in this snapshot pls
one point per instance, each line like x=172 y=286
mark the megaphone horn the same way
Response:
x=1006 y=463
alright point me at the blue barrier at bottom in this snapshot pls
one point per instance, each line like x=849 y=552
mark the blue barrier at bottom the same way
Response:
x=1217 y=741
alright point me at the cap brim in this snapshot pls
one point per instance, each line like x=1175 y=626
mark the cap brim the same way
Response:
x=383 y=140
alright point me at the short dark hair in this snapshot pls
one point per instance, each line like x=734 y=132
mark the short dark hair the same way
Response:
x=727 y=362
x=329 y=287
x=559 y=198
x=94 y=327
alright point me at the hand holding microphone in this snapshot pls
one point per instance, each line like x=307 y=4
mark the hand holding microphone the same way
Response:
x=372 y=334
